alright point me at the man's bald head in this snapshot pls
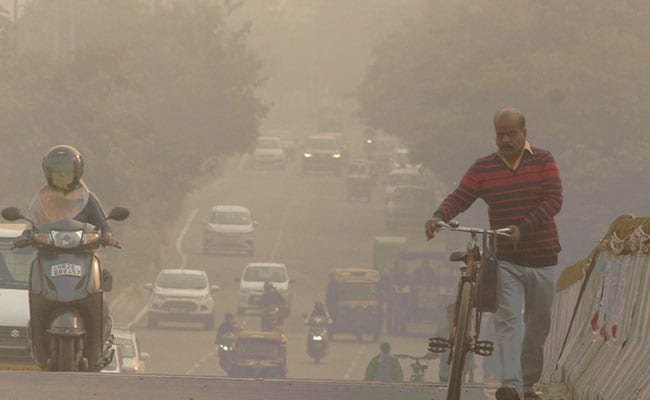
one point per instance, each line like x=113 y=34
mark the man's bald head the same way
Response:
x=509 y=114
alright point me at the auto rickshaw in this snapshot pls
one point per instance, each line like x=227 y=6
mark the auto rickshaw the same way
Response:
x=259 y=355
x=361 y=180
x=355 y=302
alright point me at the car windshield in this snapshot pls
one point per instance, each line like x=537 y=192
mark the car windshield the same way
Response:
x=15 y=265
x=322 y=143
x=405 y=179
x=259 y=274
x=356 y=291
x=269 y=143
x=181 y=281
x=231 y=218
x=257 y=348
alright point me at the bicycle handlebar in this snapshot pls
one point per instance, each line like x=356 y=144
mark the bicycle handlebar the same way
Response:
x=455 y=226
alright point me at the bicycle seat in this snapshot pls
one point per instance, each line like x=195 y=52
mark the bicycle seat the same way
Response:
x=459 y=255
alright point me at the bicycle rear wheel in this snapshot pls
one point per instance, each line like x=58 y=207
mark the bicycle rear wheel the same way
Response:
x=459 y=349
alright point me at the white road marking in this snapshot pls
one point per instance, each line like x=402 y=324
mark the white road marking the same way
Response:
x=179 y=241
x=353 y=364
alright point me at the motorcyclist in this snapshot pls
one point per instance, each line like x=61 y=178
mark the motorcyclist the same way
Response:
x=319 y=311
x=66 y=195
x=384 y=367
x=229 y=325
x=271 y=297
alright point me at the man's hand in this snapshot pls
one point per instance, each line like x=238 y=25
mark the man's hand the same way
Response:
x=22 y=241
x=515 y=235
x=109 y=240
x=431 y=227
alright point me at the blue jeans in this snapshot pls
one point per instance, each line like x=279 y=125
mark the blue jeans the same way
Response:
x=521 y=337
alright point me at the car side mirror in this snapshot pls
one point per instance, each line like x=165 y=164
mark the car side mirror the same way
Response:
x=144 y=355
x=119 y=214
x=107 y=280
x=148 y=286
x=214 y=289
x=255 y=223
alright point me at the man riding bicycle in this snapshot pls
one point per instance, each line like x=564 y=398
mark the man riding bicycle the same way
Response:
x=522 y=188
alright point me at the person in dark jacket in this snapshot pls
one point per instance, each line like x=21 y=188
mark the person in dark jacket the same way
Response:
x=521 y=186
x=384 y=367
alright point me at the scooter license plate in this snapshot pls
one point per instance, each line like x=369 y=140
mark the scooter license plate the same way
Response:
x=66 y=269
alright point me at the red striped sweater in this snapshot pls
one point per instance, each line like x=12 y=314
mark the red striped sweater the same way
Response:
x=529 y=197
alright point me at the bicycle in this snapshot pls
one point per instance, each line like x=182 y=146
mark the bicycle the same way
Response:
x=461 y=341
x=417 y=368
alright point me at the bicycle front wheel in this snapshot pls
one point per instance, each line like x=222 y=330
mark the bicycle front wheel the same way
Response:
x=459 y=349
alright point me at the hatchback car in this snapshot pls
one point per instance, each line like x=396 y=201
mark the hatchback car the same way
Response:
x=251 y=284
x=181 y=295
x=269 y=153
x=126 y=341
x=403 y=177
x=229 y=228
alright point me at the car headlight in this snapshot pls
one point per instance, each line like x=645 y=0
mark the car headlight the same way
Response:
x=337 y=155
x=307 y=155
x=317 y=338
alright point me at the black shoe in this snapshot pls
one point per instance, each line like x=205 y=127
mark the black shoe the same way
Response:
x=507 y=393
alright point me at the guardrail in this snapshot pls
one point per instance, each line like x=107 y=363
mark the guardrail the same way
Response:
x=599 y=343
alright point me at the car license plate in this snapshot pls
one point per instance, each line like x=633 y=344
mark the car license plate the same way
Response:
x=66 y=269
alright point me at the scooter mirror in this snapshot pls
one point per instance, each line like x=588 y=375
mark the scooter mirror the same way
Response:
x=119 y=214
x=12 y=214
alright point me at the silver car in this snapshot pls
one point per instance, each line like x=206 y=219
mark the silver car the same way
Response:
x=229 y=228
x=181 y=295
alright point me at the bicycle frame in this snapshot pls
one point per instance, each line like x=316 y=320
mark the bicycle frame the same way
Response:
x=466 y=305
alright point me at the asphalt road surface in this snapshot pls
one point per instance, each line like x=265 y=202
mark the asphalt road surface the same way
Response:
x=305 y=222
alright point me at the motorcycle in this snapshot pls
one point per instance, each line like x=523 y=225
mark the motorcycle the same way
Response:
x=69 y=324
x=225 y=347
x=317 y=343
x=270 y=319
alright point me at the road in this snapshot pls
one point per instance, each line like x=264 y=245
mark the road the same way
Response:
x=305 y=222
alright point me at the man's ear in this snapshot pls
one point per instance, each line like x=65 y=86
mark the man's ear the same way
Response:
x=525 y=132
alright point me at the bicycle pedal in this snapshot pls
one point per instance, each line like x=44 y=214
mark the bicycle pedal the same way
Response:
x=439 y=345
x=483 y=348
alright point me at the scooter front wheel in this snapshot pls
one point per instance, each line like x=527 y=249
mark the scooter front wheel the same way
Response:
x=67 y=353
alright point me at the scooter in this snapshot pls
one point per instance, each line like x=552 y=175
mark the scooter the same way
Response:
x=69 y=324
x=317 y=343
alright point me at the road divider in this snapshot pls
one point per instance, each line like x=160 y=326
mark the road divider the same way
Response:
x=599 y=343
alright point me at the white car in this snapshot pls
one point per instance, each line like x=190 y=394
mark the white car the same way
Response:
x=181 y=295
x=269 y=152
x=131 y=359
x=251 y=284
x=15 y=266
x=229 y=228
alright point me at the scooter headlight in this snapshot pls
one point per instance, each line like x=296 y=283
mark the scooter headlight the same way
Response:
x=225 y=347
x=317 y=338
x=66 y=239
